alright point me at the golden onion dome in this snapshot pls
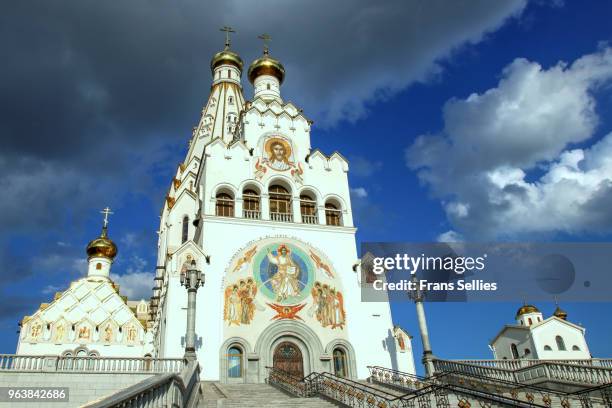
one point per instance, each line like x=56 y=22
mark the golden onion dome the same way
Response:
x=526 y=309
x=226 y=56
x=560 y=313
x=102 y=247
x=266 y=65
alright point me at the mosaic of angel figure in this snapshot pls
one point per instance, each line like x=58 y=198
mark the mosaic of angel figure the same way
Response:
x=36 y=330
x=285 y=280
x=108 y=333
x=131 y=333
x=240 y=302
x=328 y=306
x=59 y=332
x=246 y=259
x=84 y=333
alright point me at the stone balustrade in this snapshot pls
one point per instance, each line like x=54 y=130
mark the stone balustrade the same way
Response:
x=164 y=390
x=23 y=363
x=587 y=372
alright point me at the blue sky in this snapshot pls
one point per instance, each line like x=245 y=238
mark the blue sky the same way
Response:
x=125 y=128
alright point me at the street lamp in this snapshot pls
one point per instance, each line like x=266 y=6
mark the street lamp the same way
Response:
x=192 y=279
x=417 y=295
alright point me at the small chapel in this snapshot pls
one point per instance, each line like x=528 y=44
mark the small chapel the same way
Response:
x=91 y=317
x=536 y=337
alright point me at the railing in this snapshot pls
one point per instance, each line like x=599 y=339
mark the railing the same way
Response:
x=526 y=362
x=527 y=393
x=251 y=214
x=164 y=390
x=397 y=378
x=333 y=217
x=352 y=393
x=12 y=362
x=602 y=392
x=529 y=371
x=310 y=219
x=491 y=371
x=283 y=217
x=289 y=382
x=358 y=395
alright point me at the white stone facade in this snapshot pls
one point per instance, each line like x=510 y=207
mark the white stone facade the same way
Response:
x=278 y=276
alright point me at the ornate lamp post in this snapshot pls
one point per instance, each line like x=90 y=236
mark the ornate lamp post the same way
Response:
x=417 y=296
x=192 y=280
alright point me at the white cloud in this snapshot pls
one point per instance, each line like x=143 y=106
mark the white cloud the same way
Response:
x=135 y=285
x=504 y=166
x=136 y=282
x=359 y=192
x=450 y=236
x=128 y=240
x=362 y=167
x=51 y=289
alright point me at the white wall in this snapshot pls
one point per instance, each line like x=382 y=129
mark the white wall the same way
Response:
x=545 y=334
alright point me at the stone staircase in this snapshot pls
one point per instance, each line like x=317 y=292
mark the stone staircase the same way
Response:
x=453 y=400
x=216 y=395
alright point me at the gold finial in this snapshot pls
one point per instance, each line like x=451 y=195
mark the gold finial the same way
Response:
x=103 y=246
x=227 y=30
x=107 y=211
x=266 y=38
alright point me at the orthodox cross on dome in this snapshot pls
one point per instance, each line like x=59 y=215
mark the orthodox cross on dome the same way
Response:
x=266 y=38
x=107 y=211
x=227 y=30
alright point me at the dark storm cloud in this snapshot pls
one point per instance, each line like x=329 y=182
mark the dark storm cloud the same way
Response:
x=97 y=97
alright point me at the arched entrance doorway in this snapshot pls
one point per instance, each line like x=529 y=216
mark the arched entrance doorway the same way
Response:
x=288 y=357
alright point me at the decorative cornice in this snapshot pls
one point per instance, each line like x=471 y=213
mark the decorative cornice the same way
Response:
x=278 y=224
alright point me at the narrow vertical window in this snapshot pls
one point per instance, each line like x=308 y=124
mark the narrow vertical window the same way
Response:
x=250 y=204
x=515 y=354
x=560 y=343
x=340 y=363
x=308 y=209
x=185 y=234
x=225 y=205
x=280 y=204
x=333 y=215
x=234 y=362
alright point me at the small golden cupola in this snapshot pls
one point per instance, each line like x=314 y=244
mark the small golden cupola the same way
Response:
x=266 y=74
x=527 y=315
x=226 y=65
x=101 y=251
x=560 y=313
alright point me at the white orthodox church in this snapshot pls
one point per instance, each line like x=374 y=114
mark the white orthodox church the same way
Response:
x=533 y=337
x=267 y=218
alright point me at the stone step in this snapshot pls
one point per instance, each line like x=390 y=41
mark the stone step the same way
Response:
x=216 y=395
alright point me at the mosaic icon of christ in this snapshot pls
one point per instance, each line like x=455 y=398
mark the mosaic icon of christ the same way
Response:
x=279 y=153
x=285 y=282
